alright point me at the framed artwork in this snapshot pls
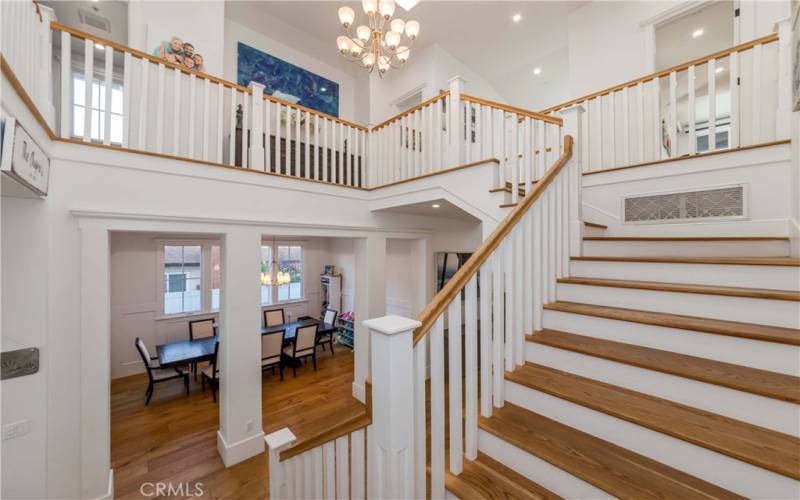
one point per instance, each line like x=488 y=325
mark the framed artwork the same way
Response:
x=286 y=81
x=177 y=49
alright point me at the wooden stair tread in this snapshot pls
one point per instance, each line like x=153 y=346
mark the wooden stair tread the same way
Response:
x=685 y=238
x=766 y=333
x=753 y=293
x=594 y=224
x=486 y=478
x=613 y=469
x=748 y=261
x=761 y=447
x=742 y=378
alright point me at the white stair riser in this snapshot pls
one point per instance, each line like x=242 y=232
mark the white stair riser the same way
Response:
x=784 y=313
x=770 y=277
x=537 y=470
x=593 y=231
x=734 y=248
x=726 y=472
x=766 y=412
x=770 y=356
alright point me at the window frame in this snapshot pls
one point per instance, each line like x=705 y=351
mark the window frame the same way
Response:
x=205 y=275
x=116 y=83
x=274 y=244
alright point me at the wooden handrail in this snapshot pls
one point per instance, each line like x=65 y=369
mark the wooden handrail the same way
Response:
x=419 y=106
x=439 y=304
x=513 y=109
x=664 y=72
x=156 y=60
x=338 y=430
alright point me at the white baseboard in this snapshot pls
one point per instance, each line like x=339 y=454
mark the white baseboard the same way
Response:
x=234 y=453
x=359 y=392
x=110 y=490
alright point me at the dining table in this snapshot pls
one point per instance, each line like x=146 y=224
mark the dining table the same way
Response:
x=183 y=352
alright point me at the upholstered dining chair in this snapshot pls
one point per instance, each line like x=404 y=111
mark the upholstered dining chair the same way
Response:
x=211 y=373
x=303 y=346
x=155 y=373
x=200 y=329
x=274 y=317
x=271 y=348
x=327 y=337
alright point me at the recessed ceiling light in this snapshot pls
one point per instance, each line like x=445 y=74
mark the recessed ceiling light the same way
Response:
x=516 y=18
x=698 y=33
x=436 y=205
x=537 y=71
x=719 y=70
x=407 y=4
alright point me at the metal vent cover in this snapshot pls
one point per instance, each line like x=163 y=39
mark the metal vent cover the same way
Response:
x=95 y=21
x=726 y=202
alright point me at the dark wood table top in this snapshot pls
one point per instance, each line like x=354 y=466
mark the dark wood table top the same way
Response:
x=291 y=327
x=185 y=351
x=191 y=351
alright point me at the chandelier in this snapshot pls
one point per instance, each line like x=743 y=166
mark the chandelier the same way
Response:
x=280 y=278
x=379 y=42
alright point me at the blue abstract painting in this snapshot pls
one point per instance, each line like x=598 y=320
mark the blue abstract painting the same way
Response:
x=281 y=78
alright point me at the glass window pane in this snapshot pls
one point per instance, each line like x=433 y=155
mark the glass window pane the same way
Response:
x=78 y=91
x=182 y=279
x=97 y=96
x=215 y=277
x=116 y=99
x=266 y=274
x=291 y=262
x=116 y=129
x=77 y=120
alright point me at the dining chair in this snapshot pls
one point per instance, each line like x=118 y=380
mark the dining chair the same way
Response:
x=303 y=346
x=327 y=337
x=271 y=348
x=211 y=373
x=200 y=329
x=155 y=373
x=274 y=317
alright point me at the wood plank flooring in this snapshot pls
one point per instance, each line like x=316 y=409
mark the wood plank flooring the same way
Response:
x=174 y=439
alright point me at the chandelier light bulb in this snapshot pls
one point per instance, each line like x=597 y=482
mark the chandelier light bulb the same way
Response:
x=403 y=53
x=346 y=16
x=392 y=39
x=383 y=64
x=343 y=43
x=363 y=33
x=355 y=49
x=387 y=8
x=397 y=25
x=412 y=29
x=369 y=60
x=370 y=6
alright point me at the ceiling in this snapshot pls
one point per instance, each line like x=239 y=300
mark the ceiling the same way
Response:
x=446 y=210
x=481 y=34
x=112 y=14
x=675 y=43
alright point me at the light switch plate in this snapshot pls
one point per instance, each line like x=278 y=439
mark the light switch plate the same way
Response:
x=16 y=429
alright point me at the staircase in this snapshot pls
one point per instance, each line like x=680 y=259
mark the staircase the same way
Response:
x=654 y=377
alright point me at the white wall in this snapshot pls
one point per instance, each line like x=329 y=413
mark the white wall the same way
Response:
x=25 y=252
x=342 y=254
x=608 y=44
x=199 y=22
x=429 y=70
x=352 y=99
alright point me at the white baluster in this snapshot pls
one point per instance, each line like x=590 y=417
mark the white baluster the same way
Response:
x=612 y=129
x=526 y=278
x=639 y=120
x=498 y=327
x=207 y=117
x=107 y=87
x=176 y=113
x=508 y=270
x=656 y=130
x=193 y=106
x=692 y=107
x=232 y=125
x=269 y=166
x=308 y=146
x=326 y=159
x=735 y=102
x=342 y=468
x=438 y=161
x=420 y=430
x=498 y=145
x=357 y=465
x=514 y=158
x=66 y=86
x=88 y=80
x=470 y=368
x=298 y=118
x=672 y=122
x=455 y=125
x=756 y=94
x=527 y=155
x=454 y=384
x=485 y=331
x=626 y=128
x=329 y=470
x=288 y=155
x=600 y=135
x=536 y=275
x=256 y=150
x=437 y=409
x=712 y=105
x=517 y=334
x=276 y=166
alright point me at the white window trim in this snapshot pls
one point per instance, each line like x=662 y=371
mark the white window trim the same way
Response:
x=274 y=243
x=205 y=275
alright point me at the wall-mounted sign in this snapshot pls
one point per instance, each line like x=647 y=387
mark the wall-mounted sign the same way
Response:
x=23 y=159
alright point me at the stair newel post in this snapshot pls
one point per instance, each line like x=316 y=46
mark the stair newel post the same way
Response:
x=392 y=437
x=256 y=126
x=455 y=123
x=276 y=443
x=573 y=117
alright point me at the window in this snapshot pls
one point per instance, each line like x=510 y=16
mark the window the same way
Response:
x=191 y=276
x=98 y=109
x=281 y=278
x=182 y=279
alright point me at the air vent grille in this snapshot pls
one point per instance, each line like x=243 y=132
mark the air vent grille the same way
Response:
x=689 y=205
x=95 y=21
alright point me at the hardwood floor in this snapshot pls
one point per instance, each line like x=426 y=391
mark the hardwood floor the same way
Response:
x=173 y=440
